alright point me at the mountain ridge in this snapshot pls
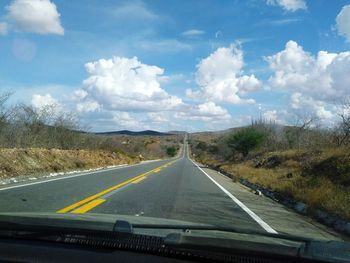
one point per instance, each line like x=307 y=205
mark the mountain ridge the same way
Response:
x=134 y=133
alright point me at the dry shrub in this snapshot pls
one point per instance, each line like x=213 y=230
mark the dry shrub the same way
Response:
x=322 y=186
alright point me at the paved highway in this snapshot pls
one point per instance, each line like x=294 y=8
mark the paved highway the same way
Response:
x=175 y=189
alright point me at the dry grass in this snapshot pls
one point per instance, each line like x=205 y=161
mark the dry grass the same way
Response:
x=321 y=179
x=149 y=147
x=113 y=150
x=15 y=162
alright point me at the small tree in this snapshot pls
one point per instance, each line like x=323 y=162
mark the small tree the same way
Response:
x=171 y=151
x=342 y=130
x=246 y=140
x=4 y=111
x=202 y=146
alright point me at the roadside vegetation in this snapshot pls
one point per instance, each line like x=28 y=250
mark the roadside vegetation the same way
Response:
x=171 y=151
x=49 y=139
x=38 y=161
x=304 y=162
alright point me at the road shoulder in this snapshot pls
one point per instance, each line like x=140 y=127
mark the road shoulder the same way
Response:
x=22 y=181
x=279 y=217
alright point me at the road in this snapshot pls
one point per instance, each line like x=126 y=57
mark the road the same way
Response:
x=175 y=188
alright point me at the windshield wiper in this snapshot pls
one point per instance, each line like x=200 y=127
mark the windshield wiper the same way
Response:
x=223 y=229
x=122 y=236
x=124 y=227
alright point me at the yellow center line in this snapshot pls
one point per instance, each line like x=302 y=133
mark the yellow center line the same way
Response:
x=157 y=170
x=87 y=207
x=106 y=191
x=139 y=180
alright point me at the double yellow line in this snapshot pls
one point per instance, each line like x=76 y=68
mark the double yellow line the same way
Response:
x=92 y=201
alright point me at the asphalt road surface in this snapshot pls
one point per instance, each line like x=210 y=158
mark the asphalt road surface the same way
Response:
x=174 y=188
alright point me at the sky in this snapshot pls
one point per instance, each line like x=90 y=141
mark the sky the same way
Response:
x=177 y=65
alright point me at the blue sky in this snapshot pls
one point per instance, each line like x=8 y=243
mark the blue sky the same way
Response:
x=174 y=65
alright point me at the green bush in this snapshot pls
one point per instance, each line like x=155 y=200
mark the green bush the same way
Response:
x=246 y=140
x=213 y=149
x=202 y=146
x=171 y=151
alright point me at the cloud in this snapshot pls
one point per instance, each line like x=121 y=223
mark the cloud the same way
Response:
x=124 y=120
x=125 y=93
x=314 y=83
x=207 y=112
x=279 y=22
x=306 y=104
x=322 y=77
x=163 y=45
x=270 y=115
x=157 y=117
x=3 y=28
x=288 y=5
x=41 y=101
x=218 y=34
x=83 y=103
x=282 y=116
x=126 y=84
x=220 y=78
x=343 y=22
x=23 y=49
x=172 y=78
x=135 y=10
x=36 y=16
x=193 y=33
x=88 y=106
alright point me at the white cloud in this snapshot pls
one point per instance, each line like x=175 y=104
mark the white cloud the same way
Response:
x=220 y=78
x=124 y=120
x=323 y=77
x=126 y=84
x=208 y=112
x=270 y=115
x=279 y=22
x=343 y=22
x=172 y=78
x=79 y=94
x=84 y=103
x=135 y=10
x=162 y=45
x=193 y=33
x=88 y=106
x=3 y=28
x=280 y=116
x=289 y=5
x=314 y=82
x=24 y=49
x=36 y=16
x=282 y=22
x=126 y=94
x=218 y=34
x=157 y=117
x=41 y=101
x=306 y=104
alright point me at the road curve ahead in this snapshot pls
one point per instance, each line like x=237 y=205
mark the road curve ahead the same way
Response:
x=174 y=188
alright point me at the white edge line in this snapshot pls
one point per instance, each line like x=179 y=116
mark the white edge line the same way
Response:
x=261 y=222
x=77 y=175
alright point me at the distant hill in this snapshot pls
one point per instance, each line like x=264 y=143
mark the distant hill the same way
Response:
x=233 y=129
x=215 y=133
x=133 y=133
x=230 y=130
x=178 y=132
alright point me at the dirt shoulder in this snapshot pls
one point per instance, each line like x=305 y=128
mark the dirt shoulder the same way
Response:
x=34 y=161
x=320 y=179
x=279 y=217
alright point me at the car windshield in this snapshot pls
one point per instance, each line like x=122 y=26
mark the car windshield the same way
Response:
x=210 y=115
